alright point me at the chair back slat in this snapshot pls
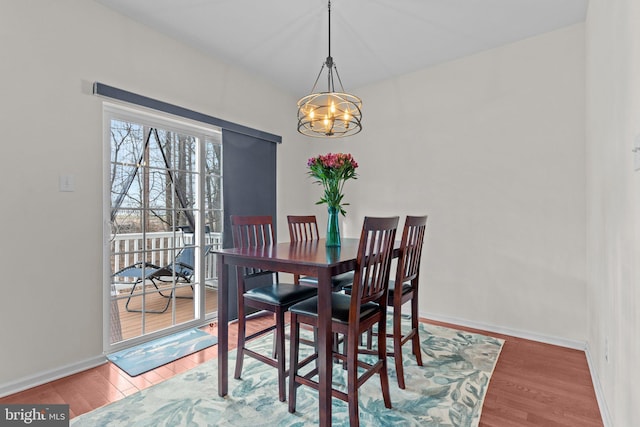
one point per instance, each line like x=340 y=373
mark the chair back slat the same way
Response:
x=302 y=228
x=373 y=262
x=411 y=249
x=253 y=231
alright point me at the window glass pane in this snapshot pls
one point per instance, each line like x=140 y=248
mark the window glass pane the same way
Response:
x=213 y=158
x=214 y=221
x=184 y=152
x=125 y=188
x=213 y=192
x=127 y=221
x=160 y=220
x=127 y=142
x=213 y=183
x=171 y=150
x=160 y=189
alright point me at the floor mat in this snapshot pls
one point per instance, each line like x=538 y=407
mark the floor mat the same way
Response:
x=145 y=357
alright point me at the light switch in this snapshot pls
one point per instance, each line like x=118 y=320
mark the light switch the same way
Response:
x=636 y=153
x=66 y=183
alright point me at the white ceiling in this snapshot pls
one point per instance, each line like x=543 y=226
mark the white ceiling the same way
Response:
x=286 y=41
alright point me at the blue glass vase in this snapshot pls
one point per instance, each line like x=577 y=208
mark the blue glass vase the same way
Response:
x=333 y=227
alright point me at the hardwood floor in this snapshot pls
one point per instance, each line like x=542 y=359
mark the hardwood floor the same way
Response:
x=536 y=384
x=533 y=384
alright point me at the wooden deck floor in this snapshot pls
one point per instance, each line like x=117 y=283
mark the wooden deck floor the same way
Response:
x=131 y=322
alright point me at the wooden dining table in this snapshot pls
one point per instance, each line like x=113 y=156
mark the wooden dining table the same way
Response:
x=309 y=258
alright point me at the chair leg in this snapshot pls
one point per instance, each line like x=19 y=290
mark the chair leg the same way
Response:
x=242 y=330
x=417 y=351
x=280 y=355
x=382 y=355
x=133 y=288
x=172 y=291
x=131 y=310
x=293 y=360
x=397 y=347
x=336 y=348
x=274 y=346
x=345 y=350
x=160 y=291
x=352 y=379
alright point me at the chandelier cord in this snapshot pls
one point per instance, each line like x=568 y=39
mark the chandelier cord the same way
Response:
x=330 y=64
x=329 y=31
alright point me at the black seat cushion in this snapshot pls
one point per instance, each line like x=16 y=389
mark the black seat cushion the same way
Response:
x=283 y=294
x=337 y=282
x=406 y=288
x=339 y=308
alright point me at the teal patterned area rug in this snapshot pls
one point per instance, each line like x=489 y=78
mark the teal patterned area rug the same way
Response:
x=448 y=390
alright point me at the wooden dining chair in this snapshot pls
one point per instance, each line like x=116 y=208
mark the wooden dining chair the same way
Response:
x=303 y=228
x=257 y=232
x=405 y=289
x=407 y=274
x=351 y=316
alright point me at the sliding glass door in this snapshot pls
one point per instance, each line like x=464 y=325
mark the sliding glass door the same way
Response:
x=164 y=213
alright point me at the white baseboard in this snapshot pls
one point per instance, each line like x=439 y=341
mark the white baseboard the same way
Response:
x=51 y=375
x=597 y=387
x=528 y=335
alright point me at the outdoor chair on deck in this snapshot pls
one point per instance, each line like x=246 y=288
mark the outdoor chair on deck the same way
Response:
x=179 y=271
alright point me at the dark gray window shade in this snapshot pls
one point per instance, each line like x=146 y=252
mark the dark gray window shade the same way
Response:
x=133 y=98
x=249 y=188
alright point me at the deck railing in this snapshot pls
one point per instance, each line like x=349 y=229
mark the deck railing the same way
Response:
x=160 y=249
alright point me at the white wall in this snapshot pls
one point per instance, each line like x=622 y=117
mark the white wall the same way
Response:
x=613 y=204
x=491 y=147
x=51 y=304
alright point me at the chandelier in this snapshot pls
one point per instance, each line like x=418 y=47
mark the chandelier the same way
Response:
x=329 y=114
